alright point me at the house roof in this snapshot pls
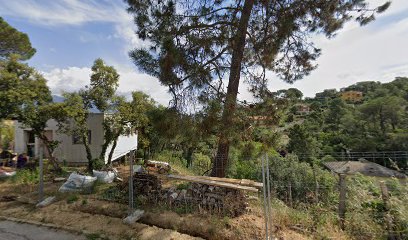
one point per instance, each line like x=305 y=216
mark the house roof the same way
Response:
x=364 y=167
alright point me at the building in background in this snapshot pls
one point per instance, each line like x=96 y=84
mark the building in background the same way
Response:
x=352 y=96
x=302 y=109
x=71 y=150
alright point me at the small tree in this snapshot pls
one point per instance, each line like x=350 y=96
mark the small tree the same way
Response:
x=77 y=112
x=36 y=116
x=302 y=143
x=120 y=117
x=129 y=117
x=26 y=98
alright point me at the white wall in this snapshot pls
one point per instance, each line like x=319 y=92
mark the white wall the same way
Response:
x=71 y=153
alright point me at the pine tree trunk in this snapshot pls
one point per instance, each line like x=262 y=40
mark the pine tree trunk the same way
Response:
x=189 y=157
x=220 y=161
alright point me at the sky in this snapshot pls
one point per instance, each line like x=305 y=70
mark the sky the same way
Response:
x=70 y=34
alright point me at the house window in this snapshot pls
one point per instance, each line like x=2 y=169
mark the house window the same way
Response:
x=30 y=137
x=77 y=138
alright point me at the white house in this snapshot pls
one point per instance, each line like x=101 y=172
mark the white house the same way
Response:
x=70 y=149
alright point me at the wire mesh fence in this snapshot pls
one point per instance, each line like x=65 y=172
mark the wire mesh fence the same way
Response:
x=385 y=158
x=312 y=199
x=297 y=195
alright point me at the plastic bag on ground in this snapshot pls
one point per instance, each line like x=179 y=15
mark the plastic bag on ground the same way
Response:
x=46 y=202
x=77 y=182
x=137 y=169
x=4 y=174
x=104 y=176
x=135 y=216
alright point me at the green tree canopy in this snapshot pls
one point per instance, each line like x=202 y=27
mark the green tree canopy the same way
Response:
x=101 y=94
x=13 y=41
x=20 y=86
x=104 y=83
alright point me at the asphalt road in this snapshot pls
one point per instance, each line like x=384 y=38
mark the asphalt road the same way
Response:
x=22 y=231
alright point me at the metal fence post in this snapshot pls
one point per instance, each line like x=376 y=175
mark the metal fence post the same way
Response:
x=265 y=199
x=387 y=216
x=41 y=187
x=342 y=199
x=269 y=196
x=131 y=182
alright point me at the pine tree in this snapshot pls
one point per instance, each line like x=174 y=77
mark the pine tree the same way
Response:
x=192 y=46
x=14 y=42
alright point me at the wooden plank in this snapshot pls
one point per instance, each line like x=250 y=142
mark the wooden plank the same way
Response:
x=244 y=182
x=212 y=182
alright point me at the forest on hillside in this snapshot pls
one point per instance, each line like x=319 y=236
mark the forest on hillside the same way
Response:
x=378 y=122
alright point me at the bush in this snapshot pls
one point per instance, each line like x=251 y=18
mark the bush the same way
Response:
x=72 y=198
x=201 y=163
x=26 y=176
x=172 y=157
x=98 y=164
x=302 y=177
x=366 y=209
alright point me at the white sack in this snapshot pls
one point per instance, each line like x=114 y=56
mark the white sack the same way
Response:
x=77 y=182
x=104 y=176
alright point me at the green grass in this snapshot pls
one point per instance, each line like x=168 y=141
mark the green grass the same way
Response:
x=72 y=198
x=96 y=236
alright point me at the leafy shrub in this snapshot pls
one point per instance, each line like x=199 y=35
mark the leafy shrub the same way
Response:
x=201 y=163
x=304 y=180
x=98 y=164
x=26 y=176
x=172 y=157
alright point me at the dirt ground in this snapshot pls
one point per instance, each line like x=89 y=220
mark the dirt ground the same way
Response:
x=70 y=215
x=87 y=212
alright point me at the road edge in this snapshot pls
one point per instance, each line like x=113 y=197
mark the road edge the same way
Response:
x=47 y=225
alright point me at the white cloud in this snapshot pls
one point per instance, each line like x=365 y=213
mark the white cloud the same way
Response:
x=67 y=79
x=73 y=78
x=72 y=12
x=77 y=13
x=131 y=80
